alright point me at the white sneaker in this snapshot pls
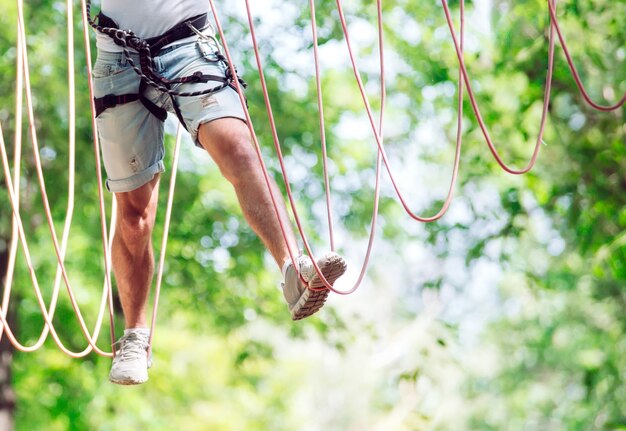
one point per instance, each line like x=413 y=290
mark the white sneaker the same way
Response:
x=131 y=362
x=303 y=301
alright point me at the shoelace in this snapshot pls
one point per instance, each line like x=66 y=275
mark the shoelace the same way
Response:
x=132 y=346
x=303 y=263
x=305 y=267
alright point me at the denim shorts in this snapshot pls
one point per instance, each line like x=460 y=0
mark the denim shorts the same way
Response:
x=131 y=137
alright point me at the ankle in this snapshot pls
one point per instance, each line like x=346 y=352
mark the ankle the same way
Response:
x=141 y=330
x=285 y=266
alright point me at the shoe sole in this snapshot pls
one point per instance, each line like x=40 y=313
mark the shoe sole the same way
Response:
x=130 y=382
x=332 y=267
x=127 y=382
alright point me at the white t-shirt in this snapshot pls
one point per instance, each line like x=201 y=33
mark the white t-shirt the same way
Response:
x=147 y=18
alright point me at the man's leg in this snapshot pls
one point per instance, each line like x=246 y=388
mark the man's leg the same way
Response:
x=132 y=254
x=228 y=142
x=133 y=265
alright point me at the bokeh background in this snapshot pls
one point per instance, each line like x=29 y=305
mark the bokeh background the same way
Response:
x=507 y=314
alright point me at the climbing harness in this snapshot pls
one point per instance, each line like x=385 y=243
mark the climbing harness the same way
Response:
x=149 y=48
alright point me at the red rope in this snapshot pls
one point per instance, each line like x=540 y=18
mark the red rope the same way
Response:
x=572 y=67
x=475 y=108
x=279 y=150
x=320 y=107
x=378 y=138
x=255 y=140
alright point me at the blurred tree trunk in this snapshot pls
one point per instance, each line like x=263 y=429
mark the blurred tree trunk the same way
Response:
x=7 y=395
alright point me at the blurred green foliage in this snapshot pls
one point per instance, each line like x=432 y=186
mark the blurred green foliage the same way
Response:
x=548 y=352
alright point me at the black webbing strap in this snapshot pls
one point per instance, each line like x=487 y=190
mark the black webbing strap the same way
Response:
x=178 y=32
x=155 y=110
x=111 y=100
x=105 y=21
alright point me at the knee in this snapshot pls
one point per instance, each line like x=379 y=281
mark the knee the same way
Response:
x=229 y=143
x=135 y=225
x=238 y=159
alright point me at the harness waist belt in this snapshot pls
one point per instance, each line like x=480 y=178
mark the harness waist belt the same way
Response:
x=178 y=32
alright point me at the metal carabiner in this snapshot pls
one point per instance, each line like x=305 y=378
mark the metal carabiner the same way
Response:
x=208 y=38
x=206 y=42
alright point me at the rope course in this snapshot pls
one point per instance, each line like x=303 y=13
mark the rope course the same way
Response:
x=128 y=40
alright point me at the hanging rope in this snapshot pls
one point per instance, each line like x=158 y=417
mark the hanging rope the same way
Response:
x=572 y=67
x=475 y=108
x=106 y=247
x=23 y=83
x=166 y=229
x=278 y=149
x=17 y=146
x=320 y=107
x=11 y=187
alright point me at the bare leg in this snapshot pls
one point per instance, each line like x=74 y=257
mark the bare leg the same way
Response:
x=228 y=142
x=132 y=254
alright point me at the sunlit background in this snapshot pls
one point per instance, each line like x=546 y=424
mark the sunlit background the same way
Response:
x=506 y=314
